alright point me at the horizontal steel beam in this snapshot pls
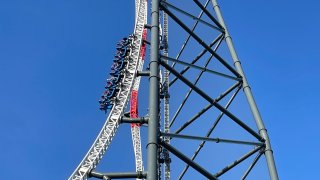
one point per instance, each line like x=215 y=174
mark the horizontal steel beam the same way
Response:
x=118 y=175
x=217 y=140
x=200 y=68
x=143 y=73
x=148 y=26
x=141 y=120
x=192 y=16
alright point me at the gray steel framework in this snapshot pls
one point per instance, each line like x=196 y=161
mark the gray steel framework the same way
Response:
x=154 y=115
x=247 y=90
x=263 y=146
x=159 y=145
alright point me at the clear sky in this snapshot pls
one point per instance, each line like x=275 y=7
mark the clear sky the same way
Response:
x=55 y=55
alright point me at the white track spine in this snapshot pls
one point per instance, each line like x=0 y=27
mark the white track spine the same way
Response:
x=111 y=125
x=135 y=129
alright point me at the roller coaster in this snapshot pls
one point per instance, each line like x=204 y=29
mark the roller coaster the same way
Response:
x=118 y=68
x=123 y=83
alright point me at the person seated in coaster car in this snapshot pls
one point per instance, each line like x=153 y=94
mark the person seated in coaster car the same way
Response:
x=102 y=100
x=124 y=42
x=102 y=107
x=109 y=93
x=105 y=107
x=105 y=104
x=114 y=94
x=115 y=72
x=110 y=84
x=121 y=54
x=119 y=65
x=113 y=80
x=122 y=48
x=118 y=75
x=114 y=66
x=118 y=59
x=109 y=106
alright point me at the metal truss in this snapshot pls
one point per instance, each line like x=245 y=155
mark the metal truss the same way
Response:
x=212 y=82
x=135 y=127
x=213 y=22
x=109 y=129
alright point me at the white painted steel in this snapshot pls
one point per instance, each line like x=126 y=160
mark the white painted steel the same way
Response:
x=135 y=130
x=111 y=125
x=167 y=170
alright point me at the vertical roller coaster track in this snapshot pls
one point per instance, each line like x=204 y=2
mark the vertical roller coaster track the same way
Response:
x=130 y=82
x=207 y=70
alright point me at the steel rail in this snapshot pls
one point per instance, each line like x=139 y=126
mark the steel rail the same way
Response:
x=135 y=128
x=111 y=125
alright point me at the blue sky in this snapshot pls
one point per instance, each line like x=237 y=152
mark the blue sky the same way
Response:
x=55 y=55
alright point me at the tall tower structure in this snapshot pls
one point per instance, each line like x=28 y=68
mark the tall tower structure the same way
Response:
x=202 y=120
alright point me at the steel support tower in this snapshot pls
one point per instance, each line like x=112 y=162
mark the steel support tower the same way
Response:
x=215 y=130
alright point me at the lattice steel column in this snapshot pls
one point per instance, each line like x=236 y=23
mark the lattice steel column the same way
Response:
x=247 y=90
